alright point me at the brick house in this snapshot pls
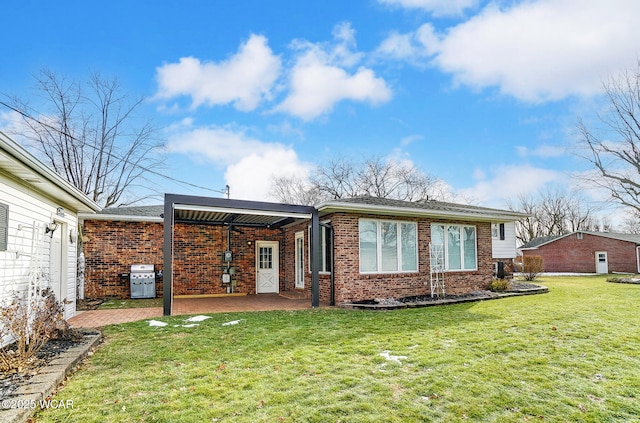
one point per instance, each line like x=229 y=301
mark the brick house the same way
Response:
x=365 y=247
x=587 y=252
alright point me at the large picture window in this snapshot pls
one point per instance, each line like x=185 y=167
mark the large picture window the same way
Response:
x=388 y=246
x=458 y=245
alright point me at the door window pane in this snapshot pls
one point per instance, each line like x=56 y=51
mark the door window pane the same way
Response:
x=266 y=260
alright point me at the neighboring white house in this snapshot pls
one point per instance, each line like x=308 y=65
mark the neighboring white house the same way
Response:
x=33 y=201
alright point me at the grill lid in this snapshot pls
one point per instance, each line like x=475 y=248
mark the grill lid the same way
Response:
x=142 y=268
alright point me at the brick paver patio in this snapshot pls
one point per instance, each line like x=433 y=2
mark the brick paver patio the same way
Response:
x=261 y=302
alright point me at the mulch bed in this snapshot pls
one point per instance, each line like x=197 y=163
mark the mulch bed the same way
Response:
x=426 y=300
x=633 y=280
x=10 y=381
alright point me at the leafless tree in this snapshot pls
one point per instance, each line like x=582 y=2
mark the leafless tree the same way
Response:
x=89 y=133
x=614 y=148
x=631 y=222
x=343 y=178
x=553 y=212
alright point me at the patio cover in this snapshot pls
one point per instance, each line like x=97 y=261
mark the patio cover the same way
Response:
x=208 y=210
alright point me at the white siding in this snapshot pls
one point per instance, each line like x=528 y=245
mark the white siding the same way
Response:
x=26 y=209
x=503 y=249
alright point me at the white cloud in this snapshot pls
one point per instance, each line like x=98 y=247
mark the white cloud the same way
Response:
x=413 y=47
x=437 y=7
x=506 y=182
x=252 y=176
x=250 y=164
x=533 y=50
x=319 y=79
x=543 y=151
x=244 y=80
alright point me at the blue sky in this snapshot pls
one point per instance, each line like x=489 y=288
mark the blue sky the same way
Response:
x=483 y=95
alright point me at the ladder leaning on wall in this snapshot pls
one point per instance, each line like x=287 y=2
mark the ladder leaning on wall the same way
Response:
x=436 y=260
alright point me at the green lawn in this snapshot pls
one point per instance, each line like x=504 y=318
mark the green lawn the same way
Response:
x=130 y=303
x=569 y=355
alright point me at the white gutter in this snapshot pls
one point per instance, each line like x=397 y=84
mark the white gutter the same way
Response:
x=119 y=217
x=417 y=212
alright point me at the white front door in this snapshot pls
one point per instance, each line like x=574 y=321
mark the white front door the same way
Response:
x=267 y=279
x=300 y=259
x=55 y=264
x=602 y=264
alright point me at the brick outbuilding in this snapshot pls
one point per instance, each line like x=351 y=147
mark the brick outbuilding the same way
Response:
x=587 y=252
x=368 y=248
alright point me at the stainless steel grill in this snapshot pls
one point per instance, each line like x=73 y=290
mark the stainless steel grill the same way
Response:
x=143 y=281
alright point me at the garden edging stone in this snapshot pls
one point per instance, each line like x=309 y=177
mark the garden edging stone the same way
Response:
x=25 y=401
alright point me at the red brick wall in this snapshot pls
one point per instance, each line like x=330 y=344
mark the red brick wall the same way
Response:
x=350 y=285
x=570 y=254
x=198 y=266
x=111 y=248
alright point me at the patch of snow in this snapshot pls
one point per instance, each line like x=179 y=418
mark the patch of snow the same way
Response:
x=197 y=318
x=395 y=358
x=157 y=323
x=190 y=325
x=233 y=322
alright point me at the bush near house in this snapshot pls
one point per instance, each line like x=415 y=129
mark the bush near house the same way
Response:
x=532 y=267
x=28 y=323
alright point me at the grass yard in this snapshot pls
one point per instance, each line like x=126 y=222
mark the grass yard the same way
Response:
x=569 y=355
x=130 y=303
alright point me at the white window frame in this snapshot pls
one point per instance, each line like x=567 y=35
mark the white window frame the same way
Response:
x=462 y=244
x=325 y=265
x=399 y=257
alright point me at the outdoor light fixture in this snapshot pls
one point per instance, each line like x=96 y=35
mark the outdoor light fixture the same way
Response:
x=51 y=227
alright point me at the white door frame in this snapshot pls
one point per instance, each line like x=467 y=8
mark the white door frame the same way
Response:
x=58 y=261
x=270 y=275
x=299 y=260
x=602 y=267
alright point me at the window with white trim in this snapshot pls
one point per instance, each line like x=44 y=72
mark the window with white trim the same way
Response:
x=388 y=246
x=325 y=249
x=458 y=243
x=4 y=226
x=497 y=231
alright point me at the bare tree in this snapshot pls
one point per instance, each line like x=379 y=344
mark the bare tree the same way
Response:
x=89 y=133
x=553 y=212
x=614 y=148
x=342 y=178
x=631 y=222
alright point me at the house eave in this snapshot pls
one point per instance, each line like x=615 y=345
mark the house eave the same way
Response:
x=33 y=172
x=119 y=217
x=336 y=207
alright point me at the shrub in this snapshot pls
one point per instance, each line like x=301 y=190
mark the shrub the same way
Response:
x=532 y=267
x=499 y=285
x=29 y=323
